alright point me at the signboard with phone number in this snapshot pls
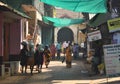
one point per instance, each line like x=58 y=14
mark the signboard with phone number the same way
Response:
x=112 y=59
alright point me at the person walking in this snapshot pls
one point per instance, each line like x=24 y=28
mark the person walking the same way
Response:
x=39 y=57
x=68 y=56
x=53 y=51
x=64 y=46
x=23 y=56
x=47 y=56
x=58 y=48
x=75 y=50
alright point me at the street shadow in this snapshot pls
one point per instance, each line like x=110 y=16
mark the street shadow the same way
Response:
x=57 y=73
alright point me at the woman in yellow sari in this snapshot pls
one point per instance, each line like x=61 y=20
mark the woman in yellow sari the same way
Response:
x=68 y=56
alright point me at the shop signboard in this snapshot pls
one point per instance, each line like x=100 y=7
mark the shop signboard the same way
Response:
x=114 y=24
x=93 y=36
x=112 y=59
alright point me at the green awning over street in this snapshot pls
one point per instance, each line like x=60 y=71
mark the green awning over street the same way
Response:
x=61 y=22
x=89 y=6
x=99 y=19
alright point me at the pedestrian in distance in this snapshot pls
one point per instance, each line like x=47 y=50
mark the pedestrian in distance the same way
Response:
x=75 y=50
x=58 y=49
x=53 y=51
x=64 y=46
x=47 y=56
x=68 y=56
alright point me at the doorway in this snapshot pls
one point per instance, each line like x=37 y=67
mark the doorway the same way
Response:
x=65 y=34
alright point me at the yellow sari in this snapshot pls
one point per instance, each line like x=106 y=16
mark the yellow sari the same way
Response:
x=68 y=57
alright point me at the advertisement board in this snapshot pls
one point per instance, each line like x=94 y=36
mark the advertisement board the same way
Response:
x=93 y=36
x=112 y=59
x=114 y=24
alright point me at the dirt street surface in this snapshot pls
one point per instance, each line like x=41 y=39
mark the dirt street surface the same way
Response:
x=57 y=73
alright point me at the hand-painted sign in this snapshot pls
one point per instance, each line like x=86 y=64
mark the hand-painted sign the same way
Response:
x=114 y=24
x=96 y=35
x=112 y=59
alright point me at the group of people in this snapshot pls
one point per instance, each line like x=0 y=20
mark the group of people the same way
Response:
x=61 y=48
x=68 y=49
x=39 y=55
x=45 y=54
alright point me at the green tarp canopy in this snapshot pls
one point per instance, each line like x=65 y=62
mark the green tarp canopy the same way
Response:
x=61 y=22
x=99 y=19
x=89 y=6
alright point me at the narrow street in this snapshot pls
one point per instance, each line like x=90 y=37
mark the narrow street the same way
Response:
x=57 y=73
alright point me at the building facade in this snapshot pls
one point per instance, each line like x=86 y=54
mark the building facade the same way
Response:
x=71 y=33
